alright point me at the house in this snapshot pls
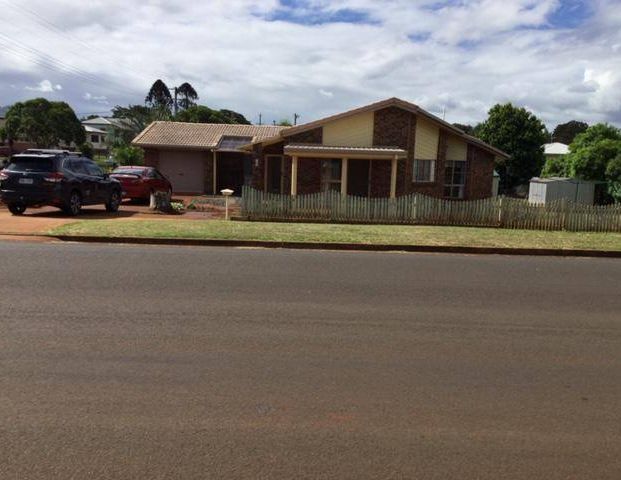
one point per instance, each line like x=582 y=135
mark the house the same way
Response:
x=385 y=149
x=97 y=130
x=555 y=150
x=203 y=157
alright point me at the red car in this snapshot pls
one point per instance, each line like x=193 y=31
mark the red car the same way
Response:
x=140 y=182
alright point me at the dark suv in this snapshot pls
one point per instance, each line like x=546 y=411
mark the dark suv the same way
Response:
x=57 y=178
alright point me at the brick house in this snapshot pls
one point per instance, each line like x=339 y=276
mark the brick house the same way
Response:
x=202 y=157
x=385 y=149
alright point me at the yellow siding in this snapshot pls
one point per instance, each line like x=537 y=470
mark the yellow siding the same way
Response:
x=457 y=149
x=356 y=131
x=427 y=138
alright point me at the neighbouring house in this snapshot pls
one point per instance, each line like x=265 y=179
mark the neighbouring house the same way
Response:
x=97 y=130
x=555 y=150
x=546 y=190
x=385 y=149
x=203 y=157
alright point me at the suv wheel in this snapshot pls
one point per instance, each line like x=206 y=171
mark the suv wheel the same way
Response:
x=75 y=204
x=113 y=203
x=17 y=208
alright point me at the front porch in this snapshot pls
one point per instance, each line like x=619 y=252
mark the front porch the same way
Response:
x=356 y=171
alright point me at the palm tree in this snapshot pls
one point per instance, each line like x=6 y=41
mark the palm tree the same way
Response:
x=188 y=95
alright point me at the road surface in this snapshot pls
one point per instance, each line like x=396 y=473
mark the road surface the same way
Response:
x=137 y=362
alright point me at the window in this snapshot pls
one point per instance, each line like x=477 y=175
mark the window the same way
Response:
x=455 y=179
x=76 y=165
x=93 y=169
x=424 y=170
x=94 y=138
x=331 y=175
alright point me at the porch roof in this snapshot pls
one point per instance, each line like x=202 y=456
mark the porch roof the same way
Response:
x=313 y=150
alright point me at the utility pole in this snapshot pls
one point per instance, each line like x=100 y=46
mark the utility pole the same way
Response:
x=260 y=119
x=295 y=118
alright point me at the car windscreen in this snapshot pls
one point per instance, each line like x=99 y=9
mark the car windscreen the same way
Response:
x=30 y=164
x=128 y=171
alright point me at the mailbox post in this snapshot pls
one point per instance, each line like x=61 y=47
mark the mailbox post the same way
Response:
x=227 y=194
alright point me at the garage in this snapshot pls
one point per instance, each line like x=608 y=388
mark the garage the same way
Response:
x=184 y=169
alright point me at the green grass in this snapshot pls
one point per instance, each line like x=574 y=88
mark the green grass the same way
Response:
x=329 y=233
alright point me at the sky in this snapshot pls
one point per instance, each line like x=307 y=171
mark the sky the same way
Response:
x=561 y=59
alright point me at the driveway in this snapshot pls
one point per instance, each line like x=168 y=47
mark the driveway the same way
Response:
x=40 y=220
x=192 y=363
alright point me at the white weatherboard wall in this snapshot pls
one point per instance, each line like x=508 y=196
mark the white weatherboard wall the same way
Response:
x=355 y=131
x=457 y=149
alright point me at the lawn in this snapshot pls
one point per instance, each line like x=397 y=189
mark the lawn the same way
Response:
x=330 y=233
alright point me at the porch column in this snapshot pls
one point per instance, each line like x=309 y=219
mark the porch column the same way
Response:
x=215 y=172
x=393 y=177
x=344 y=165
x=294 y=176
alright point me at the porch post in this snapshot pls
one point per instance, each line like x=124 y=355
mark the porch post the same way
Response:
x=294 y=176
x=215 y=172
x=393 y=177
x=344 y=165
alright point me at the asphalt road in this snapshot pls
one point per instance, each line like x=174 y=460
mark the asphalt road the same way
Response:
x=124 y=362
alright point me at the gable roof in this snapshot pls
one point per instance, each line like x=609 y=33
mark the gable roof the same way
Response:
x=202 y=136
x=391 y=102
x=114 y=122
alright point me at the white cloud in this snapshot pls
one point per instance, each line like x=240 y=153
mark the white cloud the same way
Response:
x=461 y=56
x=45 y=86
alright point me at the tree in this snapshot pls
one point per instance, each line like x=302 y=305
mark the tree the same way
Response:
x=159 y=97
x=285 y=122
x=86 y=149
x=519 y=133
x=566 y=132
x=188 y=96
x=596 y=155
x=203 y=114
x=47 y=124
x=128 y=155
x=556 y=166
x=137 y=117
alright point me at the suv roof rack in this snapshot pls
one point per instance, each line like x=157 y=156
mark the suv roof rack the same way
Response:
x=49 y=151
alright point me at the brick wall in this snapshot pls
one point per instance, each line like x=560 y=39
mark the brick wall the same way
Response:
x=309 y=175
x=311 y=136
x=379 y=178
x=480 y=174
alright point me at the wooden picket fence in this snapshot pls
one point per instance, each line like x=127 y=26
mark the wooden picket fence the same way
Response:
x=417 y=209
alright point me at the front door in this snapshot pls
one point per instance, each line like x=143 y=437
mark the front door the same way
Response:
x=358 y=177
x=274 y=174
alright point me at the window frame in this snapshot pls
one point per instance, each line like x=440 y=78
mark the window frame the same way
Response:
x=331 y=183
x=432 y=170
x=452 y=185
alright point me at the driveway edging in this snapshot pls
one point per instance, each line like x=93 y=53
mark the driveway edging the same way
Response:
x=550 y=252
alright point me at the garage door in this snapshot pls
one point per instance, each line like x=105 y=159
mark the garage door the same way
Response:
x=185 y=170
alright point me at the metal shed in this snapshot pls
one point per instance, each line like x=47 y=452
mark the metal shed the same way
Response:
x=546 y=190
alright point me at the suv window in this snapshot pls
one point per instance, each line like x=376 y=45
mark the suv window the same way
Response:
x=30 y=164
x=93 y=169
x=76 y=165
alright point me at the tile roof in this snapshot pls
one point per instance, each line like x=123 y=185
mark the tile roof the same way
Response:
x=199 y=135
x=312 y=148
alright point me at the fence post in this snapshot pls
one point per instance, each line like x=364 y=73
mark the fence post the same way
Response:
x=500 y=211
